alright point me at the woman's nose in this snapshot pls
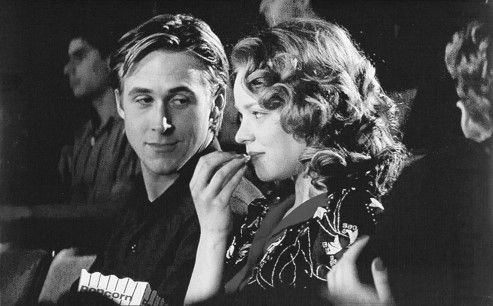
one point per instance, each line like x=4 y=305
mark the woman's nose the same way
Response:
x=244 y=133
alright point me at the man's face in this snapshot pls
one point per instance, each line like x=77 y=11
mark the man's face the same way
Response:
x=87 y=71
x=171 y=85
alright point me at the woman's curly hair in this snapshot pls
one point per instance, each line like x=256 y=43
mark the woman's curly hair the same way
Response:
x=329 y=96
x=466 y=57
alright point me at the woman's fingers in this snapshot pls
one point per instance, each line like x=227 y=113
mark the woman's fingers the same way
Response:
x=207 y=166
x=215 y=177
x=232 y=183
x=224 y=174
x=380 y=277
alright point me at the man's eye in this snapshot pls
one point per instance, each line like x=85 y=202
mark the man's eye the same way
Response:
x=239 y=118
x=143 y=100
x=179 y=101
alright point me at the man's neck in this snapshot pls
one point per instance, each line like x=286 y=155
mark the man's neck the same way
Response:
x=105 y=106
x=155 y=184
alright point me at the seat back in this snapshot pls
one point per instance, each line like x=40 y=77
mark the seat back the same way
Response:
x=64 y=270
x=22 y=273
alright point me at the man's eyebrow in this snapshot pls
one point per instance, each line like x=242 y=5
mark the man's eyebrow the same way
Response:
x=78 y=52
x=143 y=90
x=180 y=89
x=139 y=90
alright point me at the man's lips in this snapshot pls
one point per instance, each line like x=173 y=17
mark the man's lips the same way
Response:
x=162 y=146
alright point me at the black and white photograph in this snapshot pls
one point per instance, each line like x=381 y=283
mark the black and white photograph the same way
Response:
x=246 y=152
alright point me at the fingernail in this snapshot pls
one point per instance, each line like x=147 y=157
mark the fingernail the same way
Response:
x=246 y=157
x=379 y=264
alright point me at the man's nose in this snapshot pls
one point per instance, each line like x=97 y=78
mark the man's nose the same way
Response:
x=162 y=120
x=67 y=68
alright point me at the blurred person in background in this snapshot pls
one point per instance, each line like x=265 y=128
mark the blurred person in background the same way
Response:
x=100 y=165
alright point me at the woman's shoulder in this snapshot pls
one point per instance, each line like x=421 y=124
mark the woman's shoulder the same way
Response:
x=354 y=199
x=350 y=212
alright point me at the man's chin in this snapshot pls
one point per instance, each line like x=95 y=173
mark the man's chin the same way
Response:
x=79 y=94
x=160 y=169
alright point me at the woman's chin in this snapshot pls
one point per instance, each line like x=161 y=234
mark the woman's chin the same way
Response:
x=265 y=176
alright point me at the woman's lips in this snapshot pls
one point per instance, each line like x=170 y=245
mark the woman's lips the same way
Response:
x=254 y=155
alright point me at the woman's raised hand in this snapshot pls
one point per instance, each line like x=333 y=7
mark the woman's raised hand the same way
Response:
x=216 y=176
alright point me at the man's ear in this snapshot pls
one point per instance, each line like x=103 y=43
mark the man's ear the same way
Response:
x=119 y=104
x=219 y=103
x=471 y=128
x=217 y=109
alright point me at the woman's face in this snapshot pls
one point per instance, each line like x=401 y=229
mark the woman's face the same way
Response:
x=274 y=152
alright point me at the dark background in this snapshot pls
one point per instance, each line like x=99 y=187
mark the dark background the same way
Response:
x=405 y=40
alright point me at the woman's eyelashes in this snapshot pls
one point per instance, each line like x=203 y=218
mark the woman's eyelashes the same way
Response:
x=258 y=115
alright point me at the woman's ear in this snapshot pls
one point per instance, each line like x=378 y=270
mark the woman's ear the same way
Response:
x=119 y=104
x=471 y=128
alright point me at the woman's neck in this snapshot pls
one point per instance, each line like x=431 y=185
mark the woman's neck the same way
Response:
x=302 y=186
x=303 y=191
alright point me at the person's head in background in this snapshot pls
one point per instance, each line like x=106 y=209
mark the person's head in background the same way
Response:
x=170 y=76
x=87 y=68
x=468 y=59
x=277 y=11
x=308 y=96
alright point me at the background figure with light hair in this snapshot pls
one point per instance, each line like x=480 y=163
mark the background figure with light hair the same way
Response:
x=468 y=58
x=277 y=11
x=437 y=235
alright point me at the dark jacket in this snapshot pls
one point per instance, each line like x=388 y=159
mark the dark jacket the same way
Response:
x=437 y=234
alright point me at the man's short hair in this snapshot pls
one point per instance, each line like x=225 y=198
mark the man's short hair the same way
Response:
x=175 y=33
x=101 y=37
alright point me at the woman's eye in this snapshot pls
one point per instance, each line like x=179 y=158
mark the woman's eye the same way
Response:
x=257 y=115
x=257 y=82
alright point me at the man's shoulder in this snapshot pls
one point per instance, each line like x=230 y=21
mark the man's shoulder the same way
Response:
x=243 y=195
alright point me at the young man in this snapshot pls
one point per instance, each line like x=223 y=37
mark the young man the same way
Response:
x=170 y=78
x=100 y=166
